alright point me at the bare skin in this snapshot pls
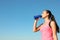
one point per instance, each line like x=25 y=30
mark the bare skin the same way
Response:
x=53 y=25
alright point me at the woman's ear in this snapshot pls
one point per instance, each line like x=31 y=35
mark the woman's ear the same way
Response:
x=47 y=13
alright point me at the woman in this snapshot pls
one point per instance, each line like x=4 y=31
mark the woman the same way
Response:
x=49 y=28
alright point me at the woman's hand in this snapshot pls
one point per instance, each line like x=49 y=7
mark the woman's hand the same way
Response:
x=37 y=19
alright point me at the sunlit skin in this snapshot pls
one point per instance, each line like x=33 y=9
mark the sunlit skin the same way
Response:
x=46 y=18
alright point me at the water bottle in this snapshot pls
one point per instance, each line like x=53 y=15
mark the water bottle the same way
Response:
x=37 y=16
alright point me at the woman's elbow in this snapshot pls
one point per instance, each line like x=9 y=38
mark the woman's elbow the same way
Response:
x=34 y=30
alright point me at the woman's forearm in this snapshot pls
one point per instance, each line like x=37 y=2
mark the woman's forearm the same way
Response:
x=34 y=26
x=55 y=37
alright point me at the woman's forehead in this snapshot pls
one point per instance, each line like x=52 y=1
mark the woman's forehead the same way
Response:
x=44 y=11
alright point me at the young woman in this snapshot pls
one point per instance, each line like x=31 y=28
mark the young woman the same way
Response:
x=49 y=28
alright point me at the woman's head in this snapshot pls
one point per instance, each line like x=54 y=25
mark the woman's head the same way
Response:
x=47 y=13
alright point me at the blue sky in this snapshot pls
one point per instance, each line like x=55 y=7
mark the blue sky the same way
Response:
x=16 y=18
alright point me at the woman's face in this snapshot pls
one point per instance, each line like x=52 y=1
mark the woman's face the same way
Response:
x=44 y=14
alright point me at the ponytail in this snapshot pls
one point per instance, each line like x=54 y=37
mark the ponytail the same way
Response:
x=53 y=19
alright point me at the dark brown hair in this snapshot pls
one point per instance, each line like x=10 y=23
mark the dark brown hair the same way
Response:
x=52 y=18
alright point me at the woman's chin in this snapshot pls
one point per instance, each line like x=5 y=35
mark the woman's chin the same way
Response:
x=43 y=17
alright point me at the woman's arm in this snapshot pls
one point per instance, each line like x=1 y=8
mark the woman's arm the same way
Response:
x=53 y=26
x=35 y=29
x=34 y=26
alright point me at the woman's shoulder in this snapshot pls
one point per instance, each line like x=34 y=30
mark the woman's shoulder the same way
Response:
x=52 y=22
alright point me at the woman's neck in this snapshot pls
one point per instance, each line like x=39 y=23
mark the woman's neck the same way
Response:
x=47 y=20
